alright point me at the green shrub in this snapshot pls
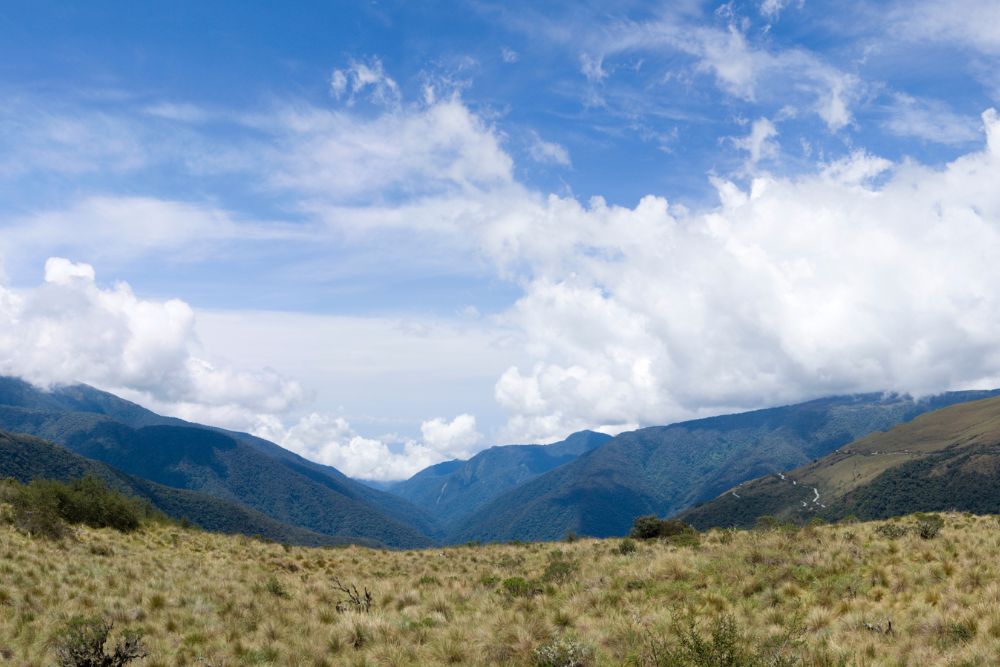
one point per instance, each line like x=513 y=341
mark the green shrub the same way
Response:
x=44 y=506
x=650 y=527
x=83 y=642
x=724 y=646
x=929 y=525
x=688 y=539
x=891 y=530
x=559 y=570
x=517 y=587
x=564 y=653
x=36 y=511
x=274 y=587
x=626 y=547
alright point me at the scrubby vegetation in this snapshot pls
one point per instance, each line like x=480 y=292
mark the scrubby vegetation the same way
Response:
x=45 y=507
x=843 y=594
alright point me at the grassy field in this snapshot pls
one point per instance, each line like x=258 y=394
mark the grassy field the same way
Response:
x=816 y=596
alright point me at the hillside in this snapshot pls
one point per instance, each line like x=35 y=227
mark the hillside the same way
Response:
x=819 y=596
x=25 y=458
x=453 y=490
x=88 y=402
x=238 y=468
x=948 y=459
x=663 y=470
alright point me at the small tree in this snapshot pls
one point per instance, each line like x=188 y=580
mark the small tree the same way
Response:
x=83 y=643
x=645 y=527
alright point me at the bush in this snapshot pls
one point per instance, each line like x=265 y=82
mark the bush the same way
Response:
x=891 y=530
x=564 y=653
x=42 y=507
x=517 y=587
x=83 y=643
x=688 y=539
x=274 y=587
x=559 y=570
x=929 y=525
x=725 y=646
x=36 y=511
x=626 y=547
x=650 y=527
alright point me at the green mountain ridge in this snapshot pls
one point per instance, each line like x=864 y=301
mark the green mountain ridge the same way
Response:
x=234 y=467
x=454 y=490
x=25 y=458
x=665 y=469
x=948 y=459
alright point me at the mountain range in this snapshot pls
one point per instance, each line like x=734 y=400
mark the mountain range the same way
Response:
x=453 y=490
x=590 y=483
x=234 y=467
x=665 y=469
x=944 y=460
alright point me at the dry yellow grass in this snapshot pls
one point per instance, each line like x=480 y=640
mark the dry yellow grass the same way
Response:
x=203 y=598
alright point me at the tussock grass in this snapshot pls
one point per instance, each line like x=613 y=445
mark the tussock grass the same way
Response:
x=821 y=595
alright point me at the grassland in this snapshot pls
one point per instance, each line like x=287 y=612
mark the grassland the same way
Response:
x=820 y=595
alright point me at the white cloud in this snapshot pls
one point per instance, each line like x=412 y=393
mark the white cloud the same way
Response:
x=332 y=441
x=772 y=8
x=408 y=152
x=797 y=287
x=930 y=120
x=455 y=439
x=969 y=23
x=38 y=137
x=759 y=142
x=741 y=68
x=360 y=78
x=509 y=55
x=548 y=152
x=592 y=68
x=71 y=329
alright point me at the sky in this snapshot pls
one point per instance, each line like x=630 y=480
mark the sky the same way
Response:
x=388 y=234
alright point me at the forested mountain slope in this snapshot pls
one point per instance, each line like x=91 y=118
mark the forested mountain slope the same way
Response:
x=665 y=469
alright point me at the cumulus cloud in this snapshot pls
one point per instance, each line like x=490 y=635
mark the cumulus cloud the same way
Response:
x=456 y=438
x=332 y=441
x=866 y=275
x=71 y=329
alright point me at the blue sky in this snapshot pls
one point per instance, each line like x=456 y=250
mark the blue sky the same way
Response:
x=385 y=234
